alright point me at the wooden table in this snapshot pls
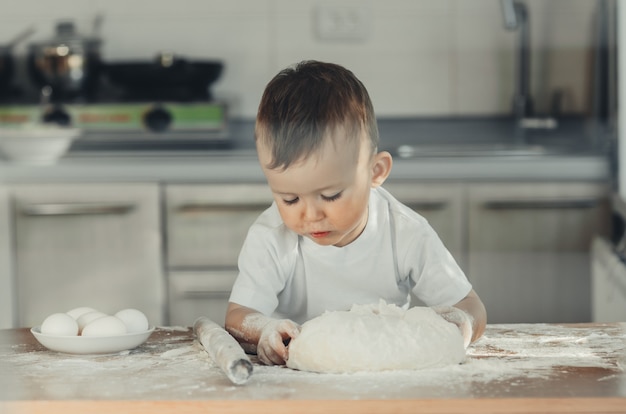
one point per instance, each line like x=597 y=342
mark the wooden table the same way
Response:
x=513 y=369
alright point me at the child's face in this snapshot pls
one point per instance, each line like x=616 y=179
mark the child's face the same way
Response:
x=325 y=196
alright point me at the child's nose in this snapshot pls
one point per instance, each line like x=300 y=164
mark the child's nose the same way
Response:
x=312 y=212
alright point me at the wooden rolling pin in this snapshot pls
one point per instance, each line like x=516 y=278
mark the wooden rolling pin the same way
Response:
x=224 y=350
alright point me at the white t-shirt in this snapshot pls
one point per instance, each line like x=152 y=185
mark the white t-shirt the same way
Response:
x=290 y=276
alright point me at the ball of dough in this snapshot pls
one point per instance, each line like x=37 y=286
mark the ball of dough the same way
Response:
x=105 y=326
x=134 y=319
x=59 y=324
x=86 y=318
x=78 y=312
x=376 y=338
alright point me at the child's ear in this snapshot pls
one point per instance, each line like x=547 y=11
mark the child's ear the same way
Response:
x=381 y=167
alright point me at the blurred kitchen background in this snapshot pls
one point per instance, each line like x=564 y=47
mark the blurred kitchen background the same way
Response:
x=501 y=115
x=417 y=58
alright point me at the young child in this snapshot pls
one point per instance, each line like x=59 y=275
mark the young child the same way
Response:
x=333 y=236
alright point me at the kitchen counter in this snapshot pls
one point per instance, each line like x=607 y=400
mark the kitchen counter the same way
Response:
x=242 y=166
x=517 y=368
x=454 y=149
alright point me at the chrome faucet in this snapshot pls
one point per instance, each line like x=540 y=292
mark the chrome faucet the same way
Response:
x=515 y=16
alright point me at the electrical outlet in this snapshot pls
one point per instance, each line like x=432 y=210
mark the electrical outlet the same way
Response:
x=343 y=22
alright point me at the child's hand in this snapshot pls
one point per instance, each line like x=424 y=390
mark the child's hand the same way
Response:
x=272 y=349
x=459 y=318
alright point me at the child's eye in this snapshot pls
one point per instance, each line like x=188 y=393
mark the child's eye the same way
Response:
x=332 y=197
x=291 y=202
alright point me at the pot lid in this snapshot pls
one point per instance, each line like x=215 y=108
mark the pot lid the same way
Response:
x=66 y=35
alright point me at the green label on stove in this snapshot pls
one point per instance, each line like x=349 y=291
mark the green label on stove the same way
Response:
x=107 y=116
x=19 y=115
x=126 y=117
x=193 y=116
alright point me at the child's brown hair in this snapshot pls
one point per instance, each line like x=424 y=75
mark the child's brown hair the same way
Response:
x=302 y=104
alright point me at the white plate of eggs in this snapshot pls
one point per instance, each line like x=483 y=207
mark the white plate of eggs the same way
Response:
x=85 y=330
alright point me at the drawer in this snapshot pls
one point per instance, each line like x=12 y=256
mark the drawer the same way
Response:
x=201 y=293
x=207 y=224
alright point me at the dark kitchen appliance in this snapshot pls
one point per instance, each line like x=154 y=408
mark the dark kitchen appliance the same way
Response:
x=160 y=104
x=167 y=76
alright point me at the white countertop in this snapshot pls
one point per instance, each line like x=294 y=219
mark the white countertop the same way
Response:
x=242 y=166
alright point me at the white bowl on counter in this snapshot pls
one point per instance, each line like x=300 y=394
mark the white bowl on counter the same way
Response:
x=91 y=344
x=36 y=144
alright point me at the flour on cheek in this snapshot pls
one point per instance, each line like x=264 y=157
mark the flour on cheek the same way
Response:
x=376 y=338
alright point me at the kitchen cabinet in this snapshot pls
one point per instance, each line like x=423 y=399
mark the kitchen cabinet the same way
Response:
x=171 y=249
x=524 y=246
x=96 y=245
x=529 y=248
x=199 y=293
x=206 y=225
x=6 y=260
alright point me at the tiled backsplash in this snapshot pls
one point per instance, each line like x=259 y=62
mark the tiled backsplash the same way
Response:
x=417 y=57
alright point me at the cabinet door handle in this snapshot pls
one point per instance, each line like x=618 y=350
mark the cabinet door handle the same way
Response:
x=428 y=205
x=191 y=208
x=76 y=209
x=540 y=204
x=205 y=294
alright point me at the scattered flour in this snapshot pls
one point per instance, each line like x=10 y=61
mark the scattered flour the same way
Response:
x=177 y=352
x=172 y=364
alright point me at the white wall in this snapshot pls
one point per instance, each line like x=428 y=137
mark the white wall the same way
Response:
x=419 y=58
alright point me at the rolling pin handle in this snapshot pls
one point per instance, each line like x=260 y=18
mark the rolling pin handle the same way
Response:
x=224 y=350
x=240 y=371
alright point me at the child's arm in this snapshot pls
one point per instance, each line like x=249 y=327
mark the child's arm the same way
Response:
x=260 y=334
x=476 y=309
x=472 y=321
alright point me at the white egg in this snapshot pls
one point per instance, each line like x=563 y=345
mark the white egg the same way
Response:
x=60 y=324
x=87 y=318
x=105 y=326
x=134 y=319
x=78 y=312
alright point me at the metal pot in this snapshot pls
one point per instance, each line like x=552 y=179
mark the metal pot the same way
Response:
x=68 y=63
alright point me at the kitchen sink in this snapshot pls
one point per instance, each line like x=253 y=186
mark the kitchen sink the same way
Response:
x=480 y=150
x=492 y=137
